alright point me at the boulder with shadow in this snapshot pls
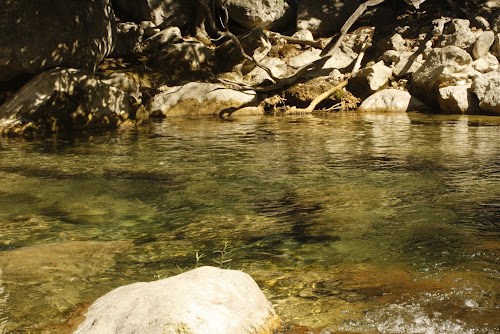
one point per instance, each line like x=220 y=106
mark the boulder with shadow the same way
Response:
x=39 y=35
x=63 y=100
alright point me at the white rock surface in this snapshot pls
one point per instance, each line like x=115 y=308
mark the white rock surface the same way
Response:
x=483 y=44
x=205 y=300
x=458 y=100
x=391 y=100
x=195 y=99
x=487 y=89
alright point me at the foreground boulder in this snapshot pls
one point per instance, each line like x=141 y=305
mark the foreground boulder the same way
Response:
x=62 y=100
x=39 y=35
x=391 y=100
x=203 y=300
x=196 y=99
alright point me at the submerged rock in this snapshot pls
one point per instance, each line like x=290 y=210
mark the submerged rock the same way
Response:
x=203 y=300
x=195 y=99
x=68 y=99
x=391 y=100
x=39 y=35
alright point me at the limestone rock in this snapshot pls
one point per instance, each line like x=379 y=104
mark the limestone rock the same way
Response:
x=252 y=14
x=40 y=35
x=496 y=46
x=195 y=99
x=165 y=37
x=458 y=100
x=444 y=66
x=391 y=100
x=187 y=56
x=65 y=100
x=483 y=44
x=163 y=13
x=457 y=33
x=324 y=17
x=257 y=76
x=370 y=79
x=403 y=62
x=487 y=89
x=203 y=300
x=486 y=63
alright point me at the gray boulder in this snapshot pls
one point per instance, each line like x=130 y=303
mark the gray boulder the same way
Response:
x=443 y=67
x=264 y=14
x=457 y=33
x=196 y=99
x=324 y=17
x=483 y=44
x=39 y=35
x=203 y=300
x=370 y=79
x=68 y=99
x=391 y=100
x=458 y=100
x=487 y=89
x=403 y=62
x=163 y=13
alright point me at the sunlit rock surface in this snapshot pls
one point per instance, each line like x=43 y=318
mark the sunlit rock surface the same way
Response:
x=391 y=100
x=39 y=35
x=203 y=300
x=194 y=99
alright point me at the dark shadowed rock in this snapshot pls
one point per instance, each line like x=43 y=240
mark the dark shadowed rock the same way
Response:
x=38 y=35
x=324 y=17
x=163 y=13
x=65 y=100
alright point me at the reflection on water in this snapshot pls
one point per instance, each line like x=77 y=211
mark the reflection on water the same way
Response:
x=374 y=222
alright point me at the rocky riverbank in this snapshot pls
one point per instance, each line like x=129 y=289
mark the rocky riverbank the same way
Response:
x=105 y=65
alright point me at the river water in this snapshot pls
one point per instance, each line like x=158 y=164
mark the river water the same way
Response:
x=371 y=223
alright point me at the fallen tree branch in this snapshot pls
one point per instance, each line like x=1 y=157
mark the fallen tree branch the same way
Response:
x=293 y=40
x=327 y=53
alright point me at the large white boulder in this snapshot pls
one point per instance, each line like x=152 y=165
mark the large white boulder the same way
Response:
x=205 y=300
x=483 y=44
x=487 y=89
x=62 y=100
x=196 y=99
x=443 y=67
x=391 y=100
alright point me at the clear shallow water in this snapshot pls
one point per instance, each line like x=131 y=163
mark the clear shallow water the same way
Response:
x=385 y=223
